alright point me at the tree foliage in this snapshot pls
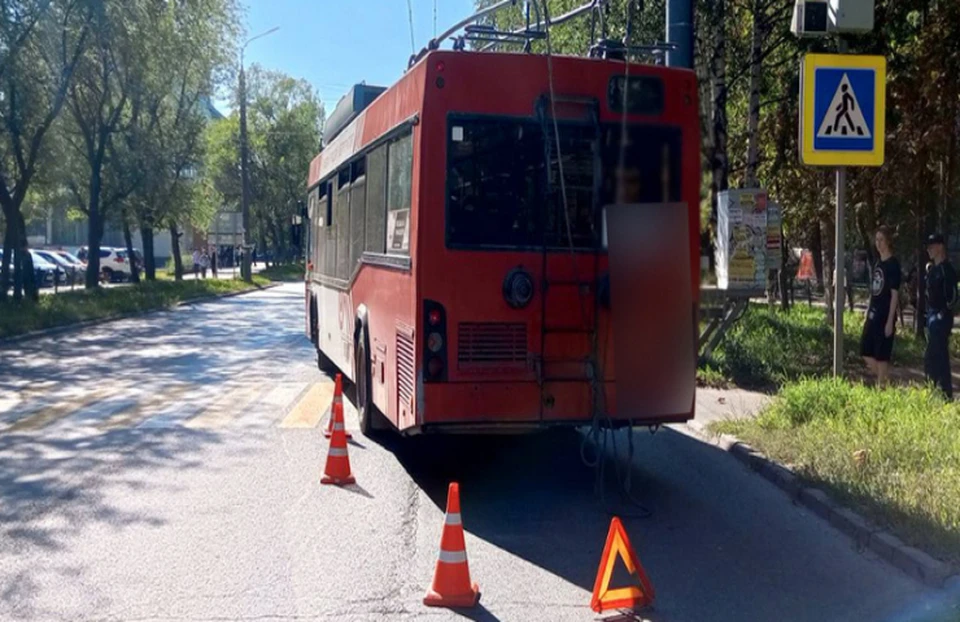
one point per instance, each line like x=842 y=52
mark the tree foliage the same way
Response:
x=41 y=42
x=285 y=120
x=747 y=63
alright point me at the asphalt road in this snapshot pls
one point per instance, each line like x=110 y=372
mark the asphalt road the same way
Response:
x=167 y=468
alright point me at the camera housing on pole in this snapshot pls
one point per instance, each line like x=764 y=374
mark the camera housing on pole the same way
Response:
x=819 y=18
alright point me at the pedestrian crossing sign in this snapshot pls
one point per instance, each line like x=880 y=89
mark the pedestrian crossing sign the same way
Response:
x=842 y=110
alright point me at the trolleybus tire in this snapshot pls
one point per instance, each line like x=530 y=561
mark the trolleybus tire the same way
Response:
x=324 y=364
x=372 y=421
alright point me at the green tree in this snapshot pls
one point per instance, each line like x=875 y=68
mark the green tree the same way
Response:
x=40 y=44
x=190 y=55
x=285 y=121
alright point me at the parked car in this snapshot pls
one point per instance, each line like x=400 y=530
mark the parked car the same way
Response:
x=73 y=260
x=114 y=264
x=45 y=271
x=71 y=270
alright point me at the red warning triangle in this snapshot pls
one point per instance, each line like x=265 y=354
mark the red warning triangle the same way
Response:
x=631 y=597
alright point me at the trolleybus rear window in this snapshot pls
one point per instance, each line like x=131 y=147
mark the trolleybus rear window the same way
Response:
x=504 y=185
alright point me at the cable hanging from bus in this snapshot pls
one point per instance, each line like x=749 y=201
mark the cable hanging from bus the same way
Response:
x=468 y=261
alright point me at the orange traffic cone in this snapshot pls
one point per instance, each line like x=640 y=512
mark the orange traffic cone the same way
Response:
x=336 y=405
x=451 y=580
x=337 y=470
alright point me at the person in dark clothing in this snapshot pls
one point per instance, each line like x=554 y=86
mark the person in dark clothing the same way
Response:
x=876 y=344
x=941 y=296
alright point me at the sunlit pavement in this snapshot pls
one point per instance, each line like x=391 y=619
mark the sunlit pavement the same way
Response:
x=167 y=468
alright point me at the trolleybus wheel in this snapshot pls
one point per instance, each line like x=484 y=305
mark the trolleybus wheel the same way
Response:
x=324 y=364
x=372 y=421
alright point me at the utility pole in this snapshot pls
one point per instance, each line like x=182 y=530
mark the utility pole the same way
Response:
x=680 y=33
x=245 y=268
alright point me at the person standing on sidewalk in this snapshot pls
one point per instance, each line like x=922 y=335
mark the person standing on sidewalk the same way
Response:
x=204 y=263
x=876 y=344
x=941 y=297
x=196 y=263
x=213 y=261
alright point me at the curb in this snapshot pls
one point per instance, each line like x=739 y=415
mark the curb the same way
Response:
x=78 y=326
x=861 y=531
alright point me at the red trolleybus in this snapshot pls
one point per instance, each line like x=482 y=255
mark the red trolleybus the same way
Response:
x=444 y=276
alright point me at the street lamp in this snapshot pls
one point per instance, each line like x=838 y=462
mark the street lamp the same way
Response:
x=245 y=270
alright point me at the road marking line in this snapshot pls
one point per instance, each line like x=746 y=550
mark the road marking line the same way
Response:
x=308 y=411
x=270 y=407
x=230 y=404
x=47 y=414
x=139 y=410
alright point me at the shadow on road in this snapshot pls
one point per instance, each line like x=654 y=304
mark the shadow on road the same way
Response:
x=714 y=527
x=55 y=491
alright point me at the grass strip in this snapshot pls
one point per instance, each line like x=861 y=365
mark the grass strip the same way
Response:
x=894 y=455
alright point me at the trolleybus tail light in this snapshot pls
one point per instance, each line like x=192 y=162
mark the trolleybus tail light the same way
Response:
x=435 y=344
x=440 y=66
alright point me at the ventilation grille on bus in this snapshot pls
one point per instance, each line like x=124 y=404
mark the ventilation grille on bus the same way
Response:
x=405 y=372
x=492 y=343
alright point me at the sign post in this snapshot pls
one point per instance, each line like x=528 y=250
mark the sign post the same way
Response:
x=842 y=124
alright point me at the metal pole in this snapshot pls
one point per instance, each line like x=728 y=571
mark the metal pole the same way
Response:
x=680 y=33
x=838 y=261
x=245 y=272
x=838 y=297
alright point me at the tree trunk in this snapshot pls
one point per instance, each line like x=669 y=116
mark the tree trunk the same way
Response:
x=94 y=236
x=8 y=236
x=280 y=254
x=720 y=164
x=920 y=313
x=830 y=272
x=175 y=248
x=30 y=288
x=149 y=260
x=948 y=182
x=783 y=273
x=131 y=256
x=753 y=118
x=94 y=231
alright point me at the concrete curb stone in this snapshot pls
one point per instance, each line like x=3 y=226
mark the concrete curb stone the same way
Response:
x=78 y=326
x=864 y=533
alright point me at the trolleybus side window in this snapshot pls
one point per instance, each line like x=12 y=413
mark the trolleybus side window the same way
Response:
x=341 y=222
x=399 y=194
x=376 y=217
x=358 y=201
x=315 y=220
x=327 y=253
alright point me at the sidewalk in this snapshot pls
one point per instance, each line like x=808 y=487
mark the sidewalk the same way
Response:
x=721 y=404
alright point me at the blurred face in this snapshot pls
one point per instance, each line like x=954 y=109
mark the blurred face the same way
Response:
x=881 y=242
x=935 y=250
